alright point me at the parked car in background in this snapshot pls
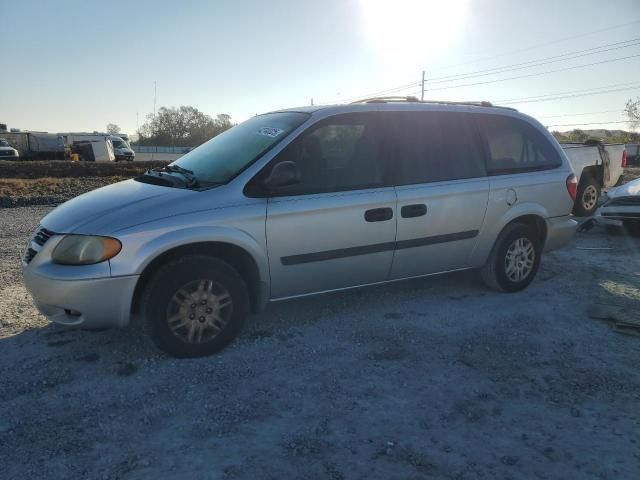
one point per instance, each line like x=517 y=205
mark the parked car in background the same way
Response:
x=121 y=149
x=633 y=153
x=622 y=204
x=596 y=166
x=35 y=145
x=305 y=201
x=7 y=152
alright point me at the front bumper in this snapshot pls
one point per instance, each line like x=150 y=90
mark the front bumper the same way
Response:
x=128 y=158
x=614 y=214
x=91 y=302
x=560 y=231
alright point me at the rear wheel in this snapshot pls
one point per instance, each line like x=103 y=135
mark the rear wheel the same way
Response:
x=587 y=197
x=514 y=260
x=195 y=306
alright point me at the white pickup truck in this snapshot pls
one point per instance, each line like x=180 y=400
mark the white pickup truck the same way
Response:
x=597 y=166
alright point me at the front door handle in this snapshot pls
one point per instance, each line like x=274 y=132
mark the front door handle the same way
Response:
x=417 y=210
x=378 y=214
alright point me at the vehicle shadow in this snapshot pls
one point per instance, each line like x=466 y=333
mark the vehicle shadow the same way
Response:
x=52 y=340
x=391 y=301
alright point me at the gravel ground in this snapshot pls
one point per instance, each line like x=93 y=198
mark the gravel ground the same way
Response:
x=47 y=191
x=434 y=378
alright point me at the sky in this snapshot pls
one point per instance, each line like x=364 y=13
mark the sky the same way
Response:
x=77 y=65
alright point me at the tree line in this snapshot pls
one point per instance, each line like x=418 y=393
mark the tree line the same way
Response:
x=182 y=126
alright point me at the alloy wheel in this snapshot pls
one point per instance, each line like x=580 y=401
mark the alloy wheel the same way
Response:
x=519 y=260
x=199 y=311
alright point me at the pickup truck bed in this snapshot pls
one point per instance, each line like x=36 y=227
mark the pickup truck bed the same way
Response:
x=596 y=167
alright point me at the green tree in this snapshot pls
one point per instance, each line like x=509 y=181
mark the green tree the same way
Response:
x=632 y=109
x=183 y=126
x=113 y=129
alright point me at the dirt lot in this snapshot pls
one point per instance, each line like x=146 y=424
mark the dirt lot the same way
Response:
x=436 y=378
x=29 y=183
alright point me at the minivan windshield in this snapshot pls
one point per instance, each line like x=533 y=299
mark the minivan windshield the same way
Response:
x=227 y=154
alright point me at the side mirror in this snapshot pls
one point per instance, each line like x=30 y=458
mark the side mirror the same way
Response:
x=282 y=174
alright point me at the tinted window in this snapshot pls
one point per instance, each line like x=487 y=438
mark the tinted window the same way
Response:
x=513 y=145
x=432 y=147
x=340 y=153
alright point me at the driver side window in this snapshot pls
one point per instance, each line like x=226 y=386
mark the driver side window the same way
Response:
x=337 y=154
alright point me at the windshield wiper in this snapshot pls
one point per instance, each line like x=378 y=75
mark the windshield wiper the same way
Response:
x=192 y=181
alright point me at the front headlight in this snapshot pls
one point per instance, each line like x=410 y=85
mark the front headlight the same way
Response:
x=85 y=250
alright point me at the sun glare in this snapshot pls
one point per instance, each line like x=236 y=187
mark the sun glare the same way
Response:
x=412 y=30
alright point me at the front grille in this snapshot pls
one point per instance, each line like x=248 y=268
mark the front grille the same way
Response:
x=619 y=215
x=29 y=254
x=624 y=202
x=42 y=236
x=38 y=240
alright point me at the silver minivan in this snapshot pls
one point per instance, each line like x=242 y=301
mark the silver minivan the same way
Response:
x=300 y=202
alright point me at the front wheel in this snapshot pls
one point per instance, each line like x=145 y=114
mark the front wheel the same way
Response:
x=194 y=306
x=514 y=260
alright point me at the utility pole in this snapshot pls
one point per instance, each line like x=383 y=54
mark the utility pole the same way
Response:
x=137 y=123
x=155 y=96
x=422 y=96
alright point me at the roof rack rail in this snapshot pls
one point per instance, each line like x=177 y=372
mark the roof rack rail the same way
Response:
x=388 y=99
x=412 y=99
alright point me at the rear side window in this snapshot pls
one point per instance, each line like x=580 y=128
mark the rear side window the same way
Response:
x=432 y=147
x=337 y=154
x=515 y=146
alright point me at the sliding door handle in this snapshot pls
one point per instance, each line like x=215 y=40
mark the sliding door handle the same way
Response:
x=378 y=214
x=410 y=211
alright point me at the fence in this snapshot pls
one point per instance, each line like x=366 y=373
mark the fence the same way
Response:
x=154 y=149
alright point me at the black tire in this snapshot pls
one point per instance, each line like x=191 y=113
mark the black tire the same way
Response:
x=632 y=227
x=587 y=197
x=494 y=272
x=158 y=300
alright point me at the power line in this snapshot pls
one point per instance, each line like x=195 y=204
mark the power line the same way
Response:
x=579 y=114
x=536 y=63
x=506 y=68
x=533 y=47
x=536 y=74
x=571 y=96
x=582 y=124
x=612 y=85
x=592 y=32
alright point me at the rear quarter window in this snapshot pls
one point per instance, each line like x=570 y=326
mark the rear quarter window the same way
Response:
x=514 y=146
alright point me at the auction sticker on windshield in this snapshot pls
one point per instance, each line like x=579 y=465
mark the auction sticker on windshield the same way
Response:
x=270 y=131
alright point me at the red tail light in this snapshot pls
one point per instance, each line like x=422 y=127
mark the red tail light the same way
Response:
x=624 y=159
x=572 y=186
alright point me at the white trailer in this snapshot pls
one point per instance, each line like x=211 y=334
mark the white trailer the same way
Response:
x=99 y=150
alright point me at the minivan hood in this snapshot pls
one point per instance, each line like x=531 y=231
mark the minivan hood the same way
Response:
x=118 y=206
